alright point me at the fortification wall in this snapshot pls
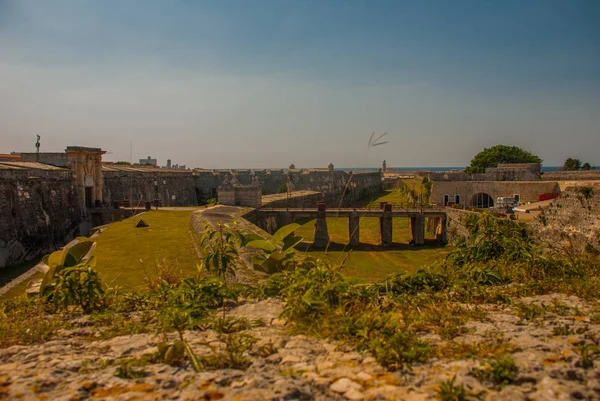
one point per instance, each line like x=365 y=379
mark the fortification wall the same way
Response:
x=507 y=174
x=38 y=213
x=55 y=159
x=448 y=176
x=297 y=199
x=333 y=184
x=456 y=223
x=529 y=191
x=571 y=175
x=571 y=221
x=271 y=181
x=172 y=188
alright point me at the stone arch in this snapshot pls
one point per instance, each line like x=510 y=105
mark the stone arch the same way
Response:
x=482 y=200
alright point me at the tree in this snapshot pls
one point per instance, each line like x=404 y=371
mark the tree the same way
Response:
x=572 y=164
x=586 y=166
x=491 y=157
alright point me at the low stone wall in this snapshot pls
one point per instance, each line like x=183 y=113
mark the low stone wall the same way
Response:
x=571 y=175
x=571 y=221
x=171 y=187
x=39 y=213
x=297 y=199
x=456 y=223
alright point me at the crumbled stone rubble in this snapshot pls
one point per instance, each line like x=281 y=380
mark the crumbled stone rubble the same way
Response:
x=79 y=366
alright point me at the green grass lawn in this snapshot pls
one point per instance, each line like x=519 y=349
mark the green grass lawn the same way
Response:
x=369 y=261
x=126 y=255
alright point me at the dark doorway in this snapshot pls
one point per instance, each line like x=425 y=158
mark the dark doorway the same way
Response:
x=88 y=197
x=482 y=200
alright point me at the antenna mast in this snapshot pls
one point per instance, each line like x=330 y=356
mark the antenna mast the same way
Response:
x=37 y=147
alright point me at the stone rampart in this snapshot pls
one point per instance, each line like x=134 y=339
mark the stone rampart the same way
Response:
x=571 y=221
x=39 y=213
x=171 y=187
x=456 y=223
x=571 y=175
x=528 y=191
x=297 y=199
x=58 y=159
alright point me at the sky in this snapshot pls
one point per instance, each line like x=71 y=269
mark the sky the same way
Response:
x=267 y=83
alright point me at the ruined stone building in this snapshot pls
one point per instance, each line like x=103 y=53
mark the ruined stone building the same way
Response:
x=48 y=198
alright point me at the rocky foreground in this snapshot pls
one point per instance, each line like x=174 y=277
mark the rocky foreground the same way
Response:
x=552 y=363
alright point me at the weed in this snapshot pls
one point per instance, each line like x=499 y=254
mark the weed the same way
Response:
x=126 y=369
x=501 y=371
x=450 y=391
x=530 y=312
x=233 y=355
x=588 y=352
x=165 y=272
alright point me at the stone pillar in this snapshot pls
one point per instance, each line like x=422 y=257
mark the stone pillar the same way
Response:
x=271 y=224
x=98 y=178
x=386 y=226
x=417 y=228
x=285 y=218
x=354 y=228
x=321 y=233
x=261 y=222
x=441 y=232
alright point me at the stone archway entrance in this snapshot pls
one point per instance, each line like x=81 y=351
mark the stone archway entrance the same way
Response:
x=482 y=200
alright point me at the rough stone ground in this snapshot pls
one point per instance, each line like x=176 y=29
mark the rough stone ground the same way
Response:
x=78 y=366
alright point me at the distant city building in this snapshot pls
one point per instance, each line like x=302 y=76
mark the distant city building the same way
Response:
x=150 y=161
x=13 y=157
x=168 y=163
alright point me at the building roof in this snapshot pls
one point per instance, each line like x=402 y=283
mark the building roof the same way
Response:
x=11 y=157
x=29 y=166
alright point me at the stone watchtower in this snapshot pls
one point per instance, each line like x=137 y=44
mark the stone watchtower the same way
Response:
x=86 y=168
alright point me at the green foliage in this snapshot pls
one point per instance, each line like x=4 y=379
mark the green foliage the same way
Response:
x=122 y=163
x=572 y=164
x=586 y=192
x=450 y=391
x=220 y=247
x=234 y=354
x=491 y=157
x=492 y=239
x=79 y=286
x=80 y=253
x=24 y=321
x=211 y=202
x=586 y=166
x=501 y=371
x=126 y=370
x=277 y=254
x=530 y=312
x=282 y=188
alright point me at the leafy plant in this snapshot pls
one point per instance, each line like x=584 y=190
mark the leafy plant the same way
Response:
x=80 y=253
x=78 y=286
x=450 y=391
x=220 y=247
x=277 y=253
x=126 y=370
x=500 y=371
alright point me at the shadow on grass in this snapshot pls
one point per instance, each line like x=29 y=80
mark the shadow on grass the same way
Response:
x=363 y=247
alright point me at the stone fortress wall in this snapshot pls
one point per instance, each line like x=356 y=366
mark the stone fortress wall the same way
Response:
x=39 y=210
x=507 y=180
x=571 y=221
x=528 y=191
x=44 y=205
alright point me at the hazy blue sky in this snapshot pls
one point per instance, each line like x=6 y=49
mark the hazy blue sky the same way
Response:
x=264 y=83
